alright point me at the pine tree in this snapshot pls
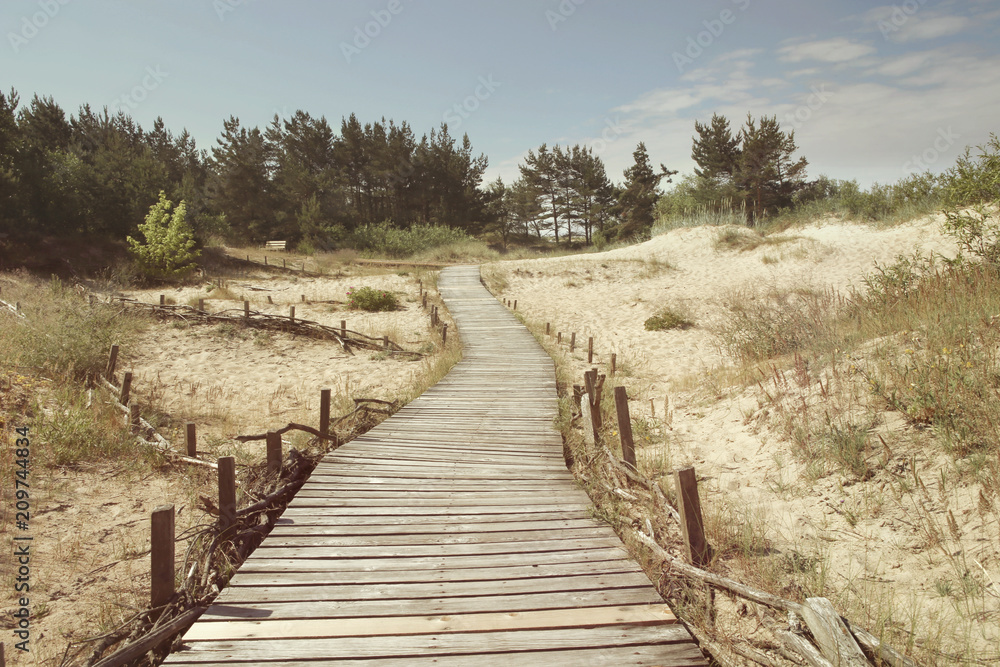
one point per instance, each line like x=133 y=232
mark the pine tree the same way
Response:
x=168 y=251
x=766 y=171
x=715 y=149
x=637 y=201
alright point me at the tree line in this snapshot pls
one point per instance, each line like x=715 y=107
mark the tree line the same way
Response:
x=297 y=179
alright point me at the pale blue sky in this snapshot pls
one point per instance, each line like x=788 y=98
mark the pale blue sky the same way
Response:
x=866 y=87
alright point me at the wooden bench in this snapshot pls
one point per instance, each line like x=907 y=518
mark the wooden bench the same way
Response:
x=275 y=245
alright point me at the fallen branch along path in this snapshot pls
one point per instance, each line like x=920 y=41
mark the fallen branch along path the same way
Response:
x=452 y=532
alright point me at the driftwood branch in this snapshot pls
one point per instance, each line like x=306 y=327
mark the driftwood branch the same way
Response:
x=152 y=640
x=285 y=429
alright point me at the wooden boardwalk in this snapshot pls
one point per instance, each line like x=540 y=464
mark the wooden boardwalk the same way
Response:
x=450 y=534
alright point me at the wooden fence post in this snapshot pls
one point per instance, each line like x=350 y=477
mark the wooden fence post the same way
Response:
x=112 y=362
x=594 y=385
x=423 y=301
x=291 y=314
x=269 y=300
x=590 y=350
x=191 y=440
x=303 y=298
x=692 y=526
x=227 y=491
x=343 y=328
x=547 y=329
x=163 y=299
x=246 y=310
x=515 y=304
x=284 y=264
x=133 y=416
x=385 y=342
x=572 y=342
x=625 y=427
x=273 y=453
x=126 y=388
x=444 y=334
x=201 y=305
x=559 y=338
x=265 y=260
x=161 y=568
x=324 y=410
x=614 y=360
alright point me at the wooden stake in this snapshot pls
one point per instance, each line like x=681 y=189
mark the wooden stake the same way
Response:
x=269 y=299
x=112 y=362
x=273 y=453
x=284 y=264
x=594 y=385
x=444 y=334
x=246 y=310
x=227 y=491
x=191 y=440
x=201 y=305
x=559 y=338
x=692 y=526
x=161 y=557
x=343 y=328
x=515 y=304
x=572 y=342
x=385 y=342
x=547 y=329
x=265 y=260
x=625 y=427
x=423 y=301
x=324 y=410
x=303 y=298
x=133 y=416
x=291 y=313
x=163 y=300
x=614 y=359
x=590 y=350
x=126 y=388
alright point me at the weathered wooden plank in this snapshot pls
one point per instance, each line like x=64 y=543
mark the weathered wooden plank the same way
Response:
x=463 y=643
x=277 y=576
x=435 y=590
x=550 y=619
x=649 y=655
x=314 y=547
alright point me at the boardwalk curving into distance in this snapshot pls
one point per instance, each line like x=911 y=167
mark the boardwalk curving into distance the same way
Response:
x=450 y=534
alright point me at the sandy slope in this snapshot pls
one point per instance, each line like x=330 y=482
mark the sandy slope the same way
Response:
x=870 y=536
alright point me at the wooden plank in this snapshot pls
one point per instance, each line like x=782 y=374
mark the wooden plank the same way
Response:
x=638 y=615
x=313 y=547
x=436 y=590
x=462 y=643
x=629 y=655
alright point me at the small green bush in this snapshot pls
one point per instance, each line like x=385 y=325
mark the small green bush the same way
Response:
x=669 y=318
x=371 y=299
x=168 y=252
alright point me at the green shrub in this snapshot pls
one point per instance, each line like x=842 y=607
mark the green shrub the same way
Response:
x=168 y=252
x=669 y=318
x=371 y=299
x=384 y=240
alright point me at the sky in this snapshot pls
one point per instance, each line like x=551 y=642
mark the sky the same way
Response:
x=873 y=92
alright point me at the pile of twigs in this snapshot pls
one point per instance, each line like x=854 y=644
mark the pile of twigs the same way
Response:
x=345 y=337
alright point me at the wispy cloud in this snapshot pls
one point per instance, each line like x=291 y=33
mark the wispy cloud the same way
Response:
x=835 y=50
